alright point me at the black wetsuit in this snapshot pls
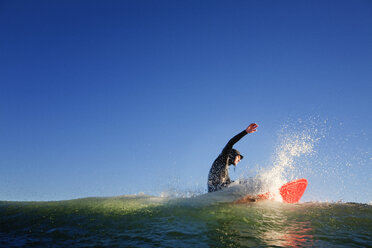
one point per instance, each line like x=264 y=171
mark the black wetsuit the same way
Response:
x=218 y=177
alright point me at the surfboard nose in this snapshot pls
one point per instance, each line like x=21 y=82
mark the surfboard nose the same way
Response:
x=292 y=192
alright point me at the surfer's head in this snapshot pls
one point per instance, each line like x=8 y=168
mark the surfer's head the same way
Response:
x=235 y=157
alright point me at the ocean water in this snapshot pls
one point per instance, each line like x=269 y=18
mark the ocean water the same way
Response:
x=176 y=219
x=210 y=220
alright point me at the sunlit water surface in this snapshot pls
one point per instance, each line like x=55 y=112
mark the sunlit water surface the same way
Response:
x=203 y=221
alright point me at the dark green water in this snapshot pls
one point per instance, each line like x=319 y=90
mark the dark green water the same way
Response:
x=144 y=221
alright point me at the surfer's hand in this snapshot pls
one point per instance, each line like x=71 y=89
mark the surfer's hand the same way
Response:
x=251 y=128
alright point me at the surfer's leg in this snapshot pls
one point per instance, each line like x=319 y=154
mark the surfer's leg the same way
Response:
x=217 y=187
x=212 y=188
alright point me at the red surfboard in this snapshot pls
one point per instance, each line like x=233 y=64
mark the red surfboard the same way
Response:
x=291 y=193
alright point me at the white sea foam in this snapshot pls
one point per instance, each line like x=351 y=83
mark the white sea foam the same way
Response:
x=290 y=147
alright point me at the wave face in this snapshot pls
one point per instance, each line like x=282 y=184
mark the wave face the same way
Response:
x=209 y=220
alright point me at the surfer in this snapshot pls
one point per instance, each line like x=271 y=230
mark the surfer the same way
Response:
x=218 y=177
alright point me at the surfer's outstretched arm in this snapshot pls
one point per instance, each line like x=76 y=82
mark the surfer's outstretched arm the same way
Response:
x=250 y=129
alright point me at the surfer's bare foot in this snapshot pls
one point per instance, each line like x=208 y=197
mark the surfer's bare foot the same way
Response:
x=247 y=198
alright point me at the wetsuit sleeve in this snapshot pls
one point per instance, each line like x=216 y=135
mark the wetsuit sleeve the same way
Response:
x=226 y=150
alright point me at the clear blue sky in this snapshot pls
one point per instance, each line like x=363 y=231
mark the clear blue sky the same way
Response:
x=102 y=98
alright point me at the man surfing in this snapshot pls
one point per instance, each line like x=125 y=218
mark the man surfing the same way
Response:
x=218 y=177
